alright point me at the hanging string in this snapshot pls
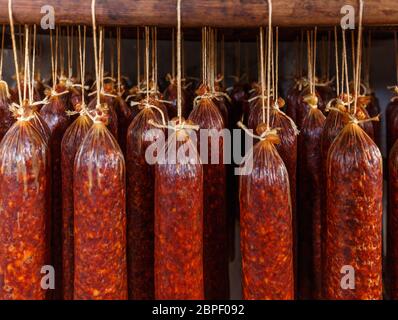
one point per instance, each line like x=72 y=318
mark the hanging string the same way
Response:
x=155 y=45
x=309 y=61
x=28 y=75
x=152 y=32
x=215 y=54
x=69 y=51
x=353 y=57
x=314 y=61
x=26 y=61
x=97 y=75
x=118 y=45
x=33 y=63
x=21 y=53
x=358 y=62
x=147 y=61
x=262 y=76
x=179 y=107
x=272 y=65
x=102 y=55
x=212 y=60
x=112 y=54
x=3 y=29
x=269 y=61
x=276 y=63
x=336 y=50
x=62 y=53
x=346 y=69
x=14 y=46
x=82 y=61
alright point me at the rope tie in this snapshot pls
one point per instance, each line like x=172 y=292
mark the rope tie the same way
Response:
x=173 y=125
x=263 y=136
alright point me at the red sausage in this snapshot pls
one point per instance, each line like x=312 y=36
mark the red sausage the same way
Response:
x=100 y=217
x=179 y=223
x=24 y=202
x=266 y=226
x=215 y=236
x=353 y=258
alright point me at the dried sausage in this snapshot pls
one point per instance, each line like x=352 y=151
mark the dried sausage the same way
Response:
x=100 y=217
x=140 y=206
x=71 y=141
x=179 y=221
x=309 y=204
x=334 y=123
x=392 y=123
x=215 y=236
x=392 y=247
x=354 y=216
x=57 y=121
x=266 y=225
x=24 y=202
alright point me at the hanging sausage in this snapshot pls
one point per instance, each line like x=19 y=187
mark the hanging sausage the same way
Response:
x=266 y=226
x=392 y=225
x=99 y=193
x=99 y=216
x=265 y=206
x=57 y=121
x=70 y=144
x=24 y=199
x=215 y=256
x=392 y=121
x=140 y=204
x=179 y=207
x=309 y=203
x=141 y=193
x=354 y=216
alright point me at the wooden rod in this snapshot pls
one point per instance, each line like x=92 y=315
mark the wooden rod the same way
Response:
x=214 y=13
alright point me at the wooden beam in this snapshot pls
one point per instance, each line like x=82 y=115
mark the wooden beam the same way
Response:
x=197 y=13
